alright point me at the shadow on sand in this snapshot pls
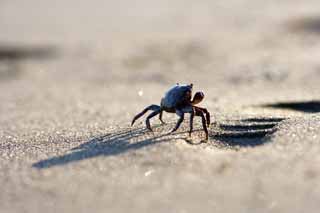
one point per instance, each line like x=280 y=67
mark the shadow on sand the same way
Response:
x=12 y=55
x=302 y=106
x=17 y=53
x=106 y=145
x=309 y=24
x=246 y=132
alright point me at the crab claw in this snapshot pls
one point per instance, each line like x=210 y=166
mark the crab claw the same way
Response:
x=197 y=98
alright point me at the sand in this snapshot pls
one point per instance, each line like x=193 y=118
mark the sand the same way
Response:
x=73 y=74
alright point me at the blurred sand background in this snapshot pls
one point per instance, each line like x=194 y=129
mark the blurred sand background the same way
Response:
x=74 y=73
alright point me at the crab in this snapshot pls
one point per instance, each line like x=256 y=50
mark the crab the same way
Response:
x=178 y=100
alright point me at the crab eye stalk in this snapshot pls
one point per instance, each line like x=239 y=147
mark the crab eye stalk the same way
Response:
x=197 y=98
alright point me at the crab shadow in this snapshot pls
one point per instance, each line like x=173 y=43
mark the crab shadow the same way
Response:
x=111 y=144
x=243 y=133
x=246 y=132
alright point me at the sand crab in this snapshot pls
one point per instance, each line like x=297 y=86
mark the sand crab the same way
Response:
x=179 y=100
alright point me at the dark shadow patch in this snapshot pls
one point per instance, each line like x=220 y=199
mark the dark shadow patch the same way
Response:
x=263 y=120
x=246 y=132
x=191 y=142
x=241 y=127
x=107 y=145
x=11 y=56
x=304 y=106
x=305 y=24
x=17 y=53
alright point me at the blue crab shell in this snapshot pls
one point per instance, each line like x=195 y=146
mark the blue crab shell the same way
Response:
x=175 y=96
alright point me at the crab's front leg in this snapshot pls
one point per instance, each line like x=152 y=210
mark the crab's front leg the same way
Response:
x=199 y=112
x=191 y=121
x=180 y=112
x=206 y=112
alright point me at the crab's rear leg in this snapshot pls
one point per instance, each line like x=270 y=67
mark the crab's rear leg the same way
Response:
x=152 y=107
x=149 y=117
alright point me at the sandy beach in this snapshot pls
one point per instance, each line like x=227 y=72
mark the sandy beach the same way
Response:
x=74 y=73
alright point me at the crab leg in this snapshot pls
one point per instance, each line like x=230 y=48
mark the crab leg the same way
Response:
x=206 y=112
x=200 y=113
x=149 y=117
x=180 y=113
x=191 y=122
x=160 y=117
x=181 y=118
x=151 y=107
